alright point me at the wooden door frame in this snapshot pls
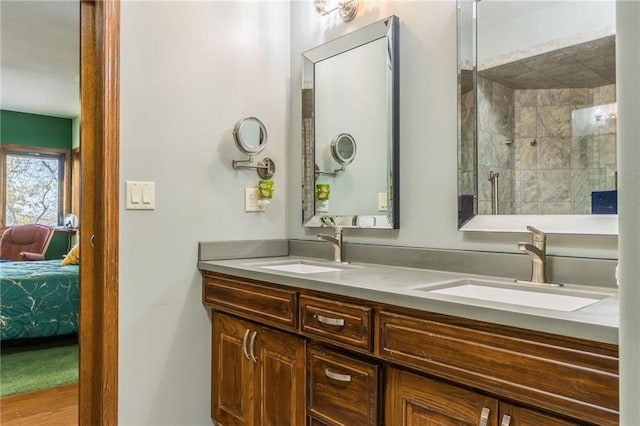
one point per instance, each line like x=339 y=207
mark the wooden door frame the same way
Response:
x=99 y=210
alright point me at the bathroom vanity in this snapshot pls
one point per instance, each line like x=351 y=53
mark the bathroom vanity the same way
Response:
x=301 y=341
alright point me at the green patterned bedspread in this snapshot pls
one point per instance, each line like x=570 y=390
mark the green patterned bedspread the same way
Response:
x=38 y=299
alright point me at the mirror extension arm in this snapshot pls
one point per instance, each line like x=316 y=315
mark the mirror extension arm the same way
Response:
x=266 y=168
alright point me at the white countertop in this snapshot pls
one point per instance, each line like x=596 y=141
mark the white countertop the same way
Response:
x=398 y=286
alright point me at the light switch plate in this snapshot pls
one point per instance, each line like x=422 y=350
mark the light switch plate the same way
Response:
x=140 y=195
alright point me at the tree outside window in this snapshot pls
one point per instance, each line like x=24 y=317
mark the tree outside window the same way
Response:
x=33 y=187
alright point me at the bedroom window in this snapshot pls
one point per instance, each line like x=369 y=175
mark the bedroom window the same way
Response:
x=33 y=185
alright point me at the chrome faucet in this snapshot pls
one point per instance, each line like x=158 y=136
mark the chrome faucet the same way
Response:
x=335 y=240
x=537 y=251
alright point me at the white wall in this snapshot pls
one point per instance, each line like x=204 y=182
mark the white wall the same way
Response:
x=428 y=123
x=189 y=71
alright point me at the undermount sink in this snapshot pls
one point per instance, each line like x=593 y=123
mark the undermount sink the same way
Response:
x=533 y=295
x=303 y=267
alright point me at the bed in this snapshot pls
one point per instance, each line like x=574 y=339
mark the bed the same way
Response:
x=38 y=299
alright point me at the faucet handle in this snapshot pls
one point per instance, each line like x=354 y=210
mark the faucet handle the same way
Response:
x=328 y=221
x=538 y=235
x=538 y=238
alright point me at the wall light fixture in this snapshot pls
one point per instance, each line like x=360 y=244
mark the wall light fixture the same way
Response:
x=348 y=9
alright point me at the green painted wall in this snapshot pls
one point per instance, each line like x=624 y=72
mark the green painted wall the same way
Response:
x=21 y=128
x=75 y=133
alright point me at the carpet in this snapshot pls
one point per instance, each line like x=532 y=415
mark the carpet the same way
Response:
x=31 y=370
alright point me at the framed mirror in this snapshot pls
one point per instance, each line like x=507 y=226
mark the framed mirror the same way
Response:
x=250 y=136
x=537 y=116
x=350 y=116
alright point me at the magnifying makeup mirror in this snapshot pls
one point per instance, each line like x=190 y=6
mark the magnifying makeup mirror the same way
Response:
x=343 y=150
x=250 y=136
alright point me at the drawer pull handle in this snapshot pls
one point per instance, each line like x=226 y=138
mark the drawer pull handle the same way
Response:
x=484 y=416
x=506 y=420
x=252 y=345
x=244 y=344
x=329 y=321
x=337 y=376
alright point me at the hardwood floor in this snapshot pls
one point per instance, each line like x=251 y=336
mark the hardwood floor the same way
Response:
x=49 y=407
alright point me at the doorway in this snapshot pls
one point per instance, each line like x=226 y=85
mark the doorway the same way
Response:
x=99 y=130
x=99 y=156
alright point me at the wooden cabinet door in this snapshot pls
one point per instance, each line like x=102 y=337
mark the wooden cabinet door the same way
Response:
x=511 y=415
x=232 y=374
x=257 y=375
x=412 y=400
x=280 y=378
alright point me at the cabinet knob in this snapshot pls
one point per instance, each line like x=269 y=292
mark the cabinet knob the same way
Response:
x=337 y=376
x=506 y=420
x=329 y=321
x=484 y=416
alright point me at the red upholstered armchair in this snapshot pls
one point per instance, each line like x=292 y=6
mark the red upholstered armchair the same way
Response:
x=25 y=242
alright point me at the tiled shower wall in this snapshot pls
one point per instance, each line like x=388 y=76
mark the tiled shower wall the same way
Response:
x=556 y=170
x=526 y=136
x=466 y=145
x=496 y=115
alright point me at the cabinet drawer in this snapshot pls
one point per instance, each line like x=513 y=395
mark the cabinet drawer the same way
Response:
x=250 y=299
x=336 y=321
x=519 y=416
x=342 y=390
x=559 y=375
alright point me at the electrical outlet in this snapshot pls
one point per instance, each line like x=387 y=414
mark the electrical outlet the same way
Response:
x=382 y=201
x=251 y=200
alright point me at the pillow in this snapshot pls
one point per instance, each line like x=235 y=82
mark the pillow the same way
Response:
x=73 y=257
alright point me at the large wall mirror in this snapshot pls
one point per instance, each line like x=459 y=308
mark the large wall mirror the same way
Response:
x=350 y=123
x=537 y=116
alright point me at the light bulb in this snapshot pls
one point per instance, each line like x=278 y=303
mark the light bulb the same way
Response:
x=348 y=8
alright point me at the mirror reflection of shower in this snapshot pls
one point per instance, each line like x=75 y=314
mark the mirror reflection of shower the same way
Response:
x=593 y=148
x=527 y=87
x=563 y=156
